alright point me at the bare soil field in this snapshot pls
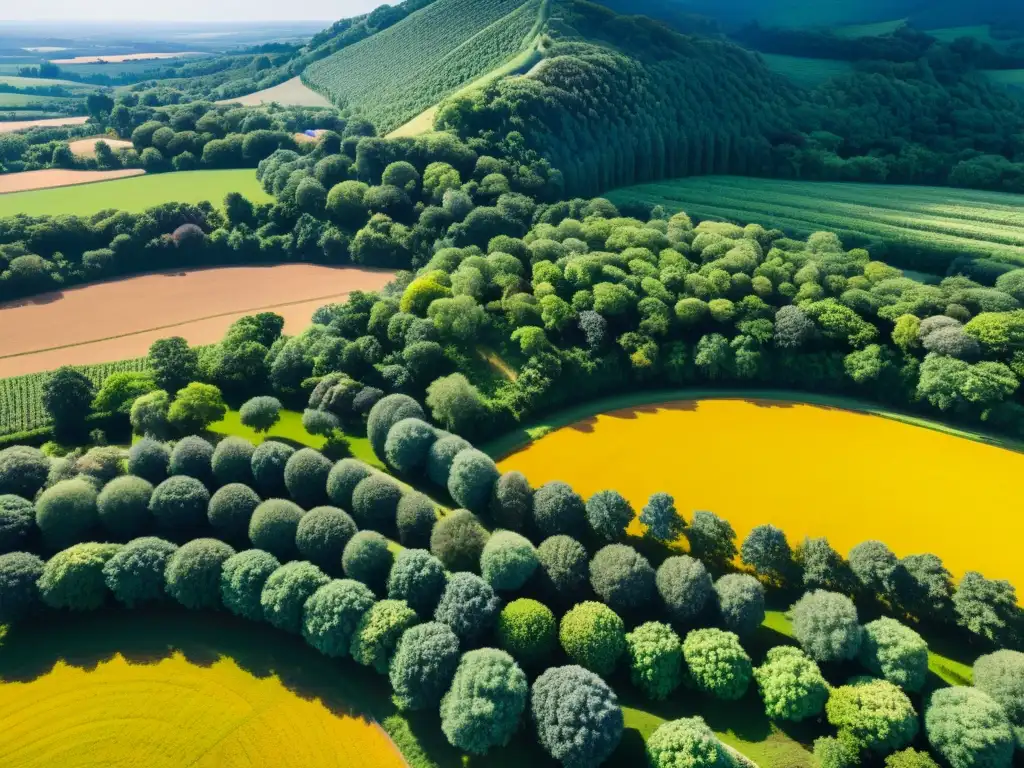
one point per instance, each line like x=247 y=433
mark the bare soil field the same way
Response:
x=291 y=93
x=50 y=122
x=122 y=318
x=87 y=147
x=59 y=177
x=120 y=58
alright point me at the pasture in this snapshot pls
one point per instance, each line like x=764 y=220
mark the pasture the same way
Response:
x=11 y=126
x=121 y=58
x=807 y=73
x=291 y=93
x=52 y=178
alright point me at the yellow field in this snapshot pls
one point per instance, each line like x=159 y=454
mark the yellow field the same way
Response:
x=810 y=470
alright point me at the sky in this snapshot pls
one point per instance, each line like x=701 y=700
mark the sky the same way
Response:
x=184 y=10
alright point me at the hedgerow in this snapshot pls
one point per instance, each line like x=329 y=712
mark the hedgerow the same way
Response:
x=231 y=509
x=286 y=591
x=322 y=534
x=135 y=574
x=179 y=505
x=375 y=503
x=232 y=461
x=418 y=578
x=424 y=663
x=378 y=632
x=343 y=479
x=73 y=578
x=305 y=477
x=193 y=573
x=508 y=560
x=123 y=506
x=17 y=523
x=415 y=519
x=243 y=577
x=332 y=613
x=458 y=540
x=19 y=593
x=368 y=559
x=66 y=512
x=468 y=605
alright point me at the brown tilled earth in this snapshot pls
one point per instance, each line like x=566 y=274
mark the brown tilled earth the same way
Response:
x=121 y=319
x=59 y=177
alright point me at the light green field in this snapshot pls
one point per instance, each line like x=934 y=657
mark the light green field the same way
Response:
x=16 y=100
x=135 y=194
x=869 y=30
x=42 y=82
x=1014 y=77
x=808 y=73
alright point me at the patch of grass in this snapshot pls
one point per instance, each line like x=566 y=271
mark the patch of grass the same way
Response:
x=21 y=100
x=869 y=30
x=807 y=73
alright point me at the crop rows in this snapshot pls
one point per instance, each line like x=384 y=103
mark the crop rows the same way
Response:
x=21 y=397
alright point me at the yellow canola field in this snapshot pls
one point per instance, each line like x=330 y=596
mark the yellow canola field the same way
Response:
x=810 y=470
x=173 y=714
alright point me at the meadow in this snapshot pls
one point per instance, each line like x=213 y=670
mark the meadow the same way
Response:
x=807 y=73
x=289 y=93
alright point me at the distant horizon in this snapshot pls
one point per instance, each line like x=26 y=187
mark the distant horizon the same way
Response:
x=186 y=12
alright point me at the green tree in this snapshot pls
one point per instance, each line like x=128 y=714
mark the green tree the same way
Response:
x=173 y=363
x=485 y=702
x=67 y=397
x=791 y=685
x=195 y=407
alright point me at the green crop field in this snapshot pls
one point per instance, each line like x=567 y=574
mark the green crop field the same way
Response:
x=42 y=82
x=920 y=227
x=806 y=72
x=21 y=100
x=396 y=74
x=135 y=194
x=869 y=30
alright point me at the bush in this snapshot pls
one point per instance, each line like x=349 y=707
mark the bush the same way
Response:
x=273 y=527
x=622 y=577
x=558 y=509
x=305 y=476
x=66 y=512
x=791 y=685
x=242 y=579
x=19 y=594
x=508 y=560
x=717 y=663
x=458 y=540
x=331 y=615
x=1001 y=676
x=194 y=572
x=408 y=444
x=609 y=513
x=193 y=456
x=260 y=413
x=967 y=729
x=662 y=521
x=825 y=624
x=482 y=708
x=387 y=412
x=322 y=535
x=149 y=459
x=830 y=752
x=564 y=568
x=268 y=463
x=366 y=558
x=686 y=743
x=593 y=636
x=468 y=605
x=232 y=461
x=684 y=585
x=712 y=539
x=472 y=479
x=578 y=718
x=377 y=634
x=73 y=578
x=343 y=479
x=418 y=578
x=740 y=600
x=286 y=592
x=135 y=575
x=179 y=504
x=415 y=519
x=511 y=501
x=910 y=758
x=17 y=523
x=375 y=503
x=441 y=455
x=424 y=663
x=874 y=715
x=231 y=509
x=896 y=653
x=23 y=471
x=766 y=551
x=874 y=565
x=123 y=506
x=655 y=659
x=527 y=630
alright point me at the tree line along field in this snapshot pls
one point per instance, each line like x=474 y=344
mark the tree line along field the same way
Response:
x=921 y=228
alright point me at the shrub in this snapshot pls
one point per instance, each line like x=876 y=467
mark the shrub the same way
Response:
x=472 y=479
x=967 y=729
x=822 y=567
x=375 y=503
x=387 y=412
x=910 y=758
x=468 y=605
x=343 y=479
x=458 y=540
x=766 y=551
x=322 y=535
x=242 y=579
x=895 y=652
x=684 y=585
x=874 y=565
x=377 y=634
x=366 y=558
x=418 y=578
x=273 y=526
x=825 y=624
x=830 y=752
x=608 y=514
x=1001 y=676
x=305 y=477
x=232 y=461
x=578 y=718
x=987 y=607
x=193 y=456
x=564 y=568
x=148 y=414
x=231 y=509
x=260 y=413
x=23 y=471
x=286 y=591
x=73 y=578
x=662 y=520
x=622 y=577
x=320 y=422
x=424 y=663
x=527 y=630
x=872 y=714
x=19 y=594
x=712 y=539
x=149 y=459
x=686 y=743
x=508 y=560
x=408 y=444
x=17 y=523
x=717 y=663
x=441 y=455
x=179 y=504
x=415 y=519
x=740 y=599
x=268 y=463
x=558 y=509
x=123 y=506
x=791 y=685
x=66 y=512
x=331 y=615
x=194 y=572
x=593 y=636
x=655 y=659
x=482 y=708
x=135 y=574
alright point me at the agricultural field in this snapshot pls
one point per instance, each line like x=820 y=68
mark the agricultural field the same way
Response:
x=121 y=58
x=53 y=178
x=923 y=228
x=87 y=147
x=869 y=30
x=807 y=73
x=290 y=93
x=29 y=120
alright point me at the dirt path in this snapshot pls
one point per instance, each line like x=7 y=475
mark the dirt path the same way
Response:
x=53 y=122
x=59 y=177
x=121 y=319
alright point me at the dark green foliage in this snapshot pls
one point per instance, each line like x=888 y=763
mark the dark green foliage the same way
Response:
x=408 y=445
x=609 y=513
x=712 y=539
x=231 y=509
x=273 y=526
x=286 y=591
x=472 y=478
x=67 y=396
x=17 y=523
x=192 y=456
x=662 y=520
x=375 y=503
x=173 y=363
x=123 y=506
x=322 y=535
x=558 y=509
x=260 y=413
x=874 y=566
x=873 y=714
x=487 y=697
x=740 y=599
x=508 y=560
x=684 y=585
x=305 y=477
x=578 y=718
x=458 y=540
x=73 y=578
x=424 y=663
x=791 y=685
x=378 y=632
x=242 y=579
x=66 y=513
x=468 y=605
x=564 y=568
x=441 y=455
x=1001 y=676
x=511 y=501
x=766 y=551
x=825 y=624
x=923 y=588
x=179 y=504
x=967 y=729
x=821 y=566
x=343 y=479
x=655 y=659
x=385 y=413
x=193 y=573
x=268 y=463
x=987 y=607
x=418 y=578
x=232 y=461
x=367 y=558
x=19 y=595
x=527 y=630
x=149 y=459
x=622 y=577
x=593 y=636
x=686 y=742
x=331 y=615
x=717 y=663
x=895 y=652
x=135 y=574
x=415 y=519
x=23 y=471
